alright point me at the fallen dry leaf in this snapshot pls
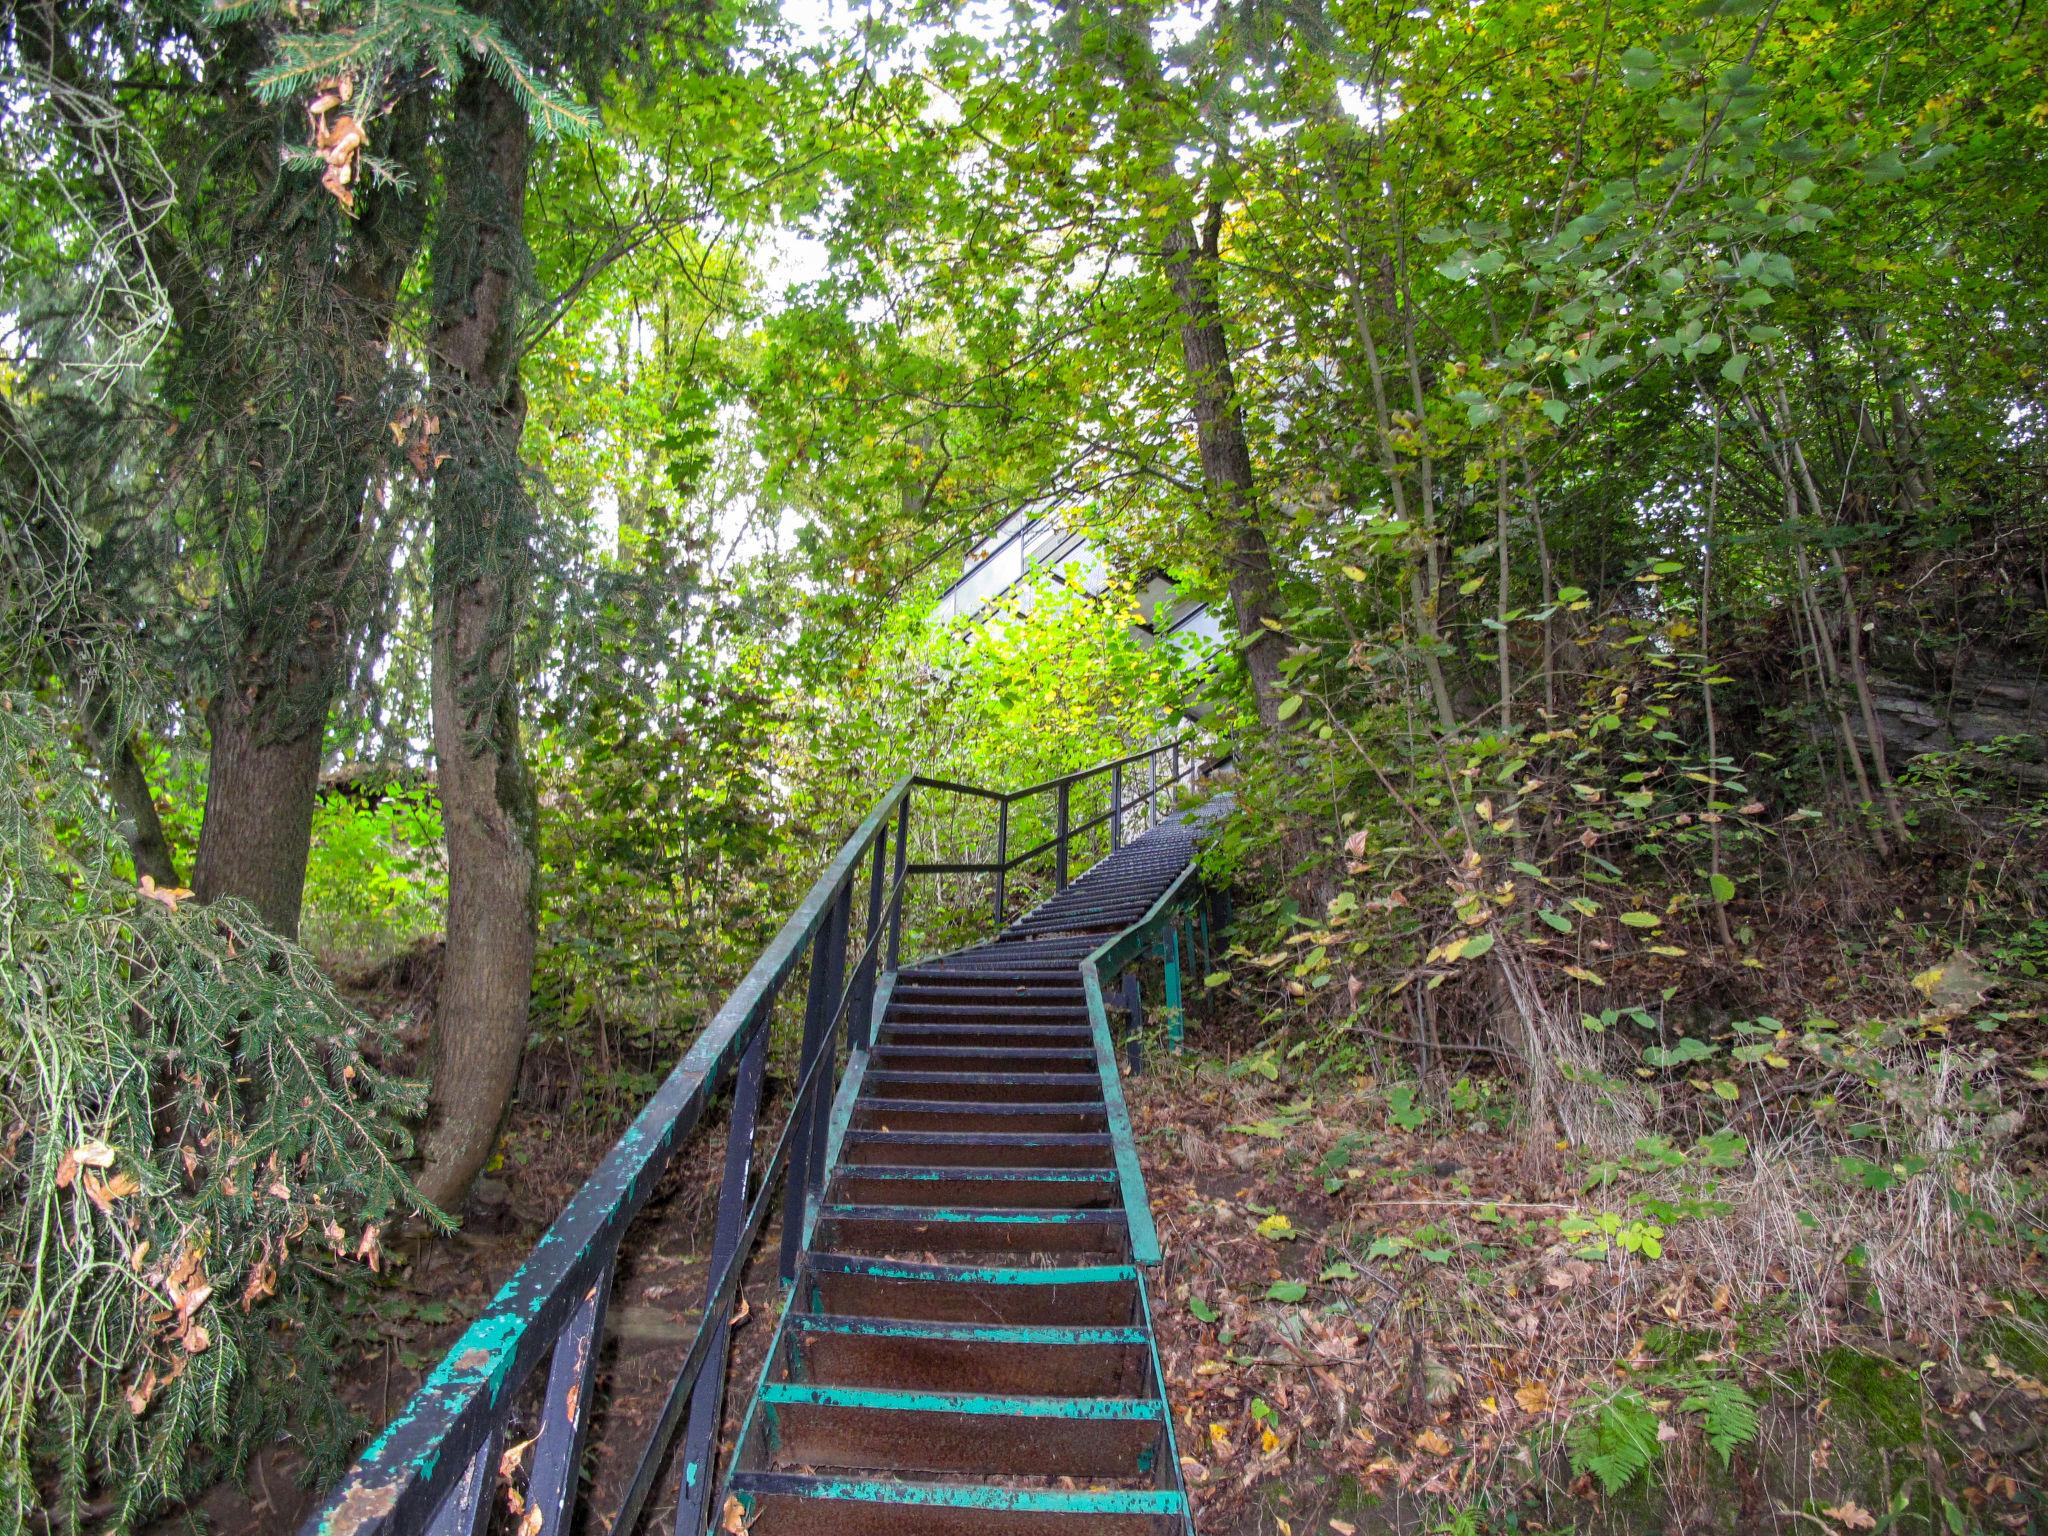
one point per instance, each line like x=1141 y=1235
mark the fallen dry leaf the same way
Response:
x=1851 y=1516
x=1532 y=1397
x=1432 y=1443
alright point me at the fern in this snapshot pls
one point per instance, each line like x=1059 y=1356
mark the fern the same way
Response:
x=1730 y=1413
x=1616 y=1441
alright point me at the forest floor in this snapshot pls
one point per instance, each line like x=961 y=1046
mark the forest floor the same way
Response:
x=1371 y=1328
x=1366 y=1326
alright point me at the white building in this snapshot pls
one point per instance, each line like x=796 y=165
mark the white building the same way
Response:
x=998 y=570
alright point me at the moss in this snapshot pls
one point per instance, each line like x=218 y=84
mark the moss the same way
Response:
x=1879 y=1399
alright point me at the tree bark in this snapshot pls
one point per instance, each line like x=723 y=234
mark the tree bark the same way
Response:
x=267 y=723
x=482 y=572
x=1226 y=455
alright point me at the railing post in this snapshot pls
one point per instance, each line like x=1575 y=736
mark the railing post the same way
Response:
x=466 y=1510
x=565 y=1413
x=1002 y=856
x=707 y=1398
x=1170 y=947
x=896 y=888
x=1134 y=1007
x=1116 y=807
x=862 y=1007
x=1174 y=764
x=818 y=1001
x=1152 y=787
x=841 y=927
x=1059 y=856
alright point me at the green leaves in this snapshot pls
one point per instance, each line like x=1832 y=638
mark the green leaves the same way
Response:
x=1722 y=887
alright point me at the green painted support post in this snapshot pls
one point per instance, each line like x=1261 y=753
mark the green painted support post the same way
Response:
x=1170 y=944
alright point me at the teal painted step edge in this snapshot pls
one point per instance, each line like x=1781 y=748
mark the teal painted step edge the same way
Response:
x=1128 y=1501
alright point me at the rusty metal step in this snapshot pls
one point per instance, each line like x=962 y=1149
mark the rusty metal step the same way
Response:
x=999 y=1149
x=932 y=1083
x=988 y=1434
x=1077 y=1296
x=1038 y=1187
x=971 y=1115
x=972 y=1233
x=879 y=1351
x=989 y=1058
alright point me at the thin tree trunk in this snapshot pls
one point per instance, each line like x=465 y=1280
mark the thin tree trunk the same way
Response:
x=1226 y=456
x=1707 y=691
x=482 y=573
x=1859 y=675
x=1190 y=261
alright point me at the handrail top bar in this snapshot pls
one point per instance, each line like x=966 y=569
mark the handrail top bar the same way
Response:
x=1100 y=768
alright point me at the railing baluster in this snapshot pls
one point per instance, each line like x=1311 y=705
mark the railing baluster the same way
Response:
x=863 y=1005
x=839 y=930
x=896 y=889
x=565 y=1413
x=467 y=1509
x=707 y=1399
x=1134 y=1007
x=817 y=1014
x=1002 y=857
x=1170 y=948
x=1059 y=857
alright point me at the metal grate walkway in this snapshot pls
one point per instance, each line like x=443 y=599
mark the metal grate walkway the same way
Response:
x=967 y=1349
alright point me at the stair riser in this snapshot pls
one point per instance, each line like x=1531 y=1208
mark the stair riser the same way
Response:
x=939 y=1058
x=975 y=1154
x=971 y=1241
x=1023 y=1087
x=1044 y=1037
x=1114 y=1304
x=851 y=1188
x=806 y=1435
x=940 y=1116
x=938 y=1365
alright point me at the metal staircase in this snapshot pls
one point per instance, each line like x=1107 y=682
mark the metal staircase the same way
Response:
x=968 y=1346
x=965 y=1347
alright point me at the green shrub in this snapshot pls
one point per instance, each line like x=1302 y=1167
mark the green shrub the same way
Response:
x=197 y=1155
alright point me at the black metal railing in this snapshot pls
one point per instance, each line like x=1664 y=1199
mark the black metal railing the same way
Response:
x=434 y=1468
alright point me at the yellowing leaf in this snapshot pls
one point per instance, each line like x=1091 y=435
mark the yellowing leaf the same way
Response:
x=1532 y=1397
x=1580 y=973
x=1276 y=1228
x=1268 y=1441
x=1642 y=920
x=1432 y=1443
x=1928 y=980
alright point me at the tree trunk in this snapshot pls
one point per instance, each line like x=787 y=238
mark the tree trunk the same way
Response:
x=128 y=785
x=1226 y=456
x=482 y=571
x=267 y=725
